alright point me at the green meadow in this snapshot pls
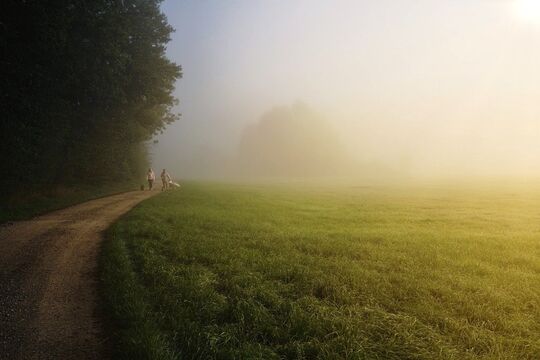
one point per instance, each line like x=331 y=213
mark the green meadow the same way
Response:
x=222 y=271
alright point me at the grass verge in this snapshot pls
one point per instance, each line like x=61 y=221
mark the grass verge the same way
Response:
x=274 y=272
x=32 y=203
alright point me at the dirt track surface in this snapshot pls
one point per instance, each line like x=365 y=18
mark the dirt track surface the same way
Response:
x=48 y=281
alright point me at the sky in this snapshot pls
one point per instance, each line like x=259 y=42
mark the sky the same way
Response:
x=431 y=87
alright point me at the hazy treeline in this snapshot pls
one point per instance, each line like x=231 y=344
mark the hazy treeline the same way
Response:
x=287 y=142
x=292 y=141
x=84 y=85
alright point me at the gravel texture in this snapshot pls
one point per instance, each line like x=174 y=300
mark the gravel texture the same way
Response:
x=49 y=305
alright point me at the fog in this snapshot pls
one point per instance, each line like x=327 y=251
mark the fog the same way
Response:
x=386 y=88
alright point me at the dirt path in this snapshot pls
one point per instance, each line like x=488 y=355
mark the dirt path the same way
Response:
x=48 y=281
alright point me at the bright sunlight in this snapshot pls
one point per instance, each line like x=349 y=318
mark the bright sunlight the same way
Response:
x=528 y=10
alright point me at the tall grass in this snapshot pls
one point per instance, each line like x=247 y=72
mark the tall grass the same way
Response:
x=277 y=272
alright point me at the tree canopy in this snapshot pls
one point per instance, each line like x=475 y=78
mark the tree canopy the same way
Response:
x=84 y=85
x=292 y=141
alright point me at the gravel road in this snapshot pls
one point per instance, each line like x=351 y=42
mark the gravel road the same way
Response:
x=48 y=281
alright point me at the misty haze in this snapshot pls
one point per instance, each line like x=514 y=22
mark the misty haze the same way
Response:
x=427 y=89
x=270 y=179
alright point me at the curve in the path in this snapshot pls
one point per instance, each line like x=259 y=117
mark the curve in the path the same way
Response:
x=48 y=281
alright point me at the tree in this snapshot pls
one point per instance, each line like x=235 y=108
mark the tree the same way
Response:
x=292 y=141
x=85 y=83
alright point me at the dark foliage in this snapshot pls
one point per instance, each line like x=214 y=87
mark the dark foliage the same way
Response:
x=84 y=85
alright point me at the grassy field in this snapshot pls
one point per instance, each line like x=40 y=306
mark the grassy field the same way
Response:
x=316 y=272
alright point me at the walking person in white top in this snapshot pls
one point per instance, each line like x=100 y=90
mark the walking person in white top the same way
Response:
x=165 y=179
x=150 y=176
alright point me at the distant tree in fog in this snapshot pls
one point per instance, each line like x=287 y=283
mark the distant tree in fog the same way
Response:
x=292 y=141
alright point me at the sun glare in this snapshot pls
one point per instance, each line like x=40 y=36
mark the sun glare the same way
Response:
x=528 y=10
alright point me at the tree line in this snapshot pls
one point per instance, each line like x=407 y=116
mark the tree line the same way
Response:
x=84 y=85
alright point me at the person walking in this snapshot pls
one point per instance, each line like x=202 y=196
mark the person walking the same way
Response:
x=165 y=180
x=150 y=176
